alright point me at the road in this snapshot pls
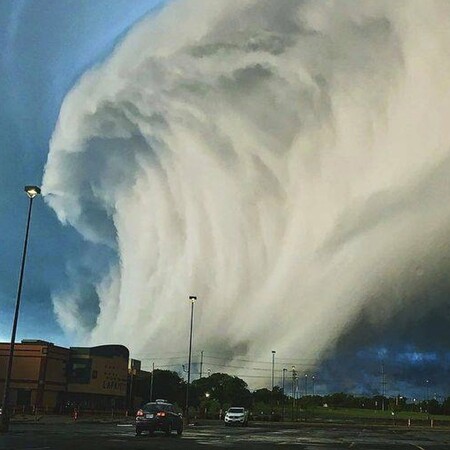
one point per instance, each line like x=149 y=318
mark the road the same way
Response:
x=79 y=436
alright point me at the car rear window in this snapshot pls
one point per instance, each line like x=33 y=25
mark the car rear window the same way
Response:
x=236 y=410
x=155 y=407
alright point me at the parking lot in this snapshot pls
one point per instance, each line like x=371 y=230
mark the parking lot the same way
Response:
x=122 y=436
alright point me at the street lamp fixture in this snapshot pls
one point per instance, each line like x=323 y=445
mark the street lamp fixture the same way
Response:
x=32 y=192
x=192 y=299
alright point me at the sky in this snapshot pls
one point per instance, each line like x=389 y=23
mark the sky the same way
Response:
x=287 y=162
x=45 y=47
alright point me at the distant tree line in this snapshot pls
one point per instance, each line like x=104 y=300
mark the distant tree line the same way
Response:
x=211 y=395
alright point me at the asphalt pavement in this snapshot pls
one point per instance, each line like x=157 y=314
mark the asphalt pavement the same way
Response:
x=83 y=436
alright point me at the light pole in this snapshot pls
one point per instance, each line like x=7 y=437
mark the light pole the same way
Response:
x=192 y=299
x=273 y=381
x=32 y=191
x=283 y=379
x=306 y=385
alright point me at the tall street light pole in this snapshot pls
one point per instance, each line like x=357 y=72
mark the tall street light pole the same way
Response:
x=32 y=192
x=192 y=299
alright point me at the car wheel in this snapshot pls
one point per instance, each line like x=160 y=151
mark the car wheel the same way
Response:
x=138 y=432
x=168 y=429
x=180 y=430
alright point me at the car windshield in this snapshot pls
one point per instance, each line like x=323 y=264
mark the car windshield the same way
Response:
x=236 y=410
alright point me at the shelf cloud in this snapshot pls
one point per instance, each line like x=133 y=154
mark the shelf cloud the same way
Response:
x=287 y=162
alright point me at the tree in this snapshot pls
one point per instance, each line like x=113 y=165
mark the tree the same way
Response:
x=261 y=396
x=446 y=406
x=169 y=386
x=225 y=389
x=340 y=399
x=434 y=407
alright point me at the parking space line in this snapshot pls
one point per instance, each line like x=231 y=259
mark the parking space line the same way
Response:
x=418 y=446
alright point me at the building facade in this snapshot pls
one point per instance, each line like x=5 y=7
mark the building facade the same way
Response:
x=52 y=378
x=38 y=377
x=97 y=377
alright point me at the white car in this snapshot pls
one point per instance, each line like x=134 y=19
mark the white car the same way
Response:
x=236 y=415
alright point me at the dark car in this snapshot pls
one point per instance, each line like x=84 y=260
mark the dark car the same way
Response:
x=158 y=416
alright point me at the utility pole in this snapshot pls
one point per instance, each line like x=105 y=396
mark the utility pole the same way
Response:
x=201 y=363
x=294 y=377
x=151 y=381
x=273 y=382
x=313 y=379
x=306 y=385
x=383 y=386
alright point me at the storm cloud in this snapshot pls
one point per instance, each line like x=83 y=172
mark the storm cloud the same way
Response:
x=287 y=162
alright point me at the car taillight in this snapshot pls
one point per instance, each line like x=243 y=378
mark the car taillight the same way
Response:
x=140 y=413
x=161 y=414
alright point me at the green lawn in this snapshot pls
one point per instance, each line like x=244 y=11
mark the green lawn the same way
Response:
x=354 y=413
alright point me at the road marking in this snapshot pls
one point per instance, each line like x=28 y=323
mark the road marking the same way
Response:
x=36 y=448
x=351 y=445
x=418 y=446
x=125 y=425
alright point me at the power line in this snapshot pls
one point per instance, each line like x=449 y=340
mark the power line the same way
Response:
x=207 y=356
x=278 y=360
